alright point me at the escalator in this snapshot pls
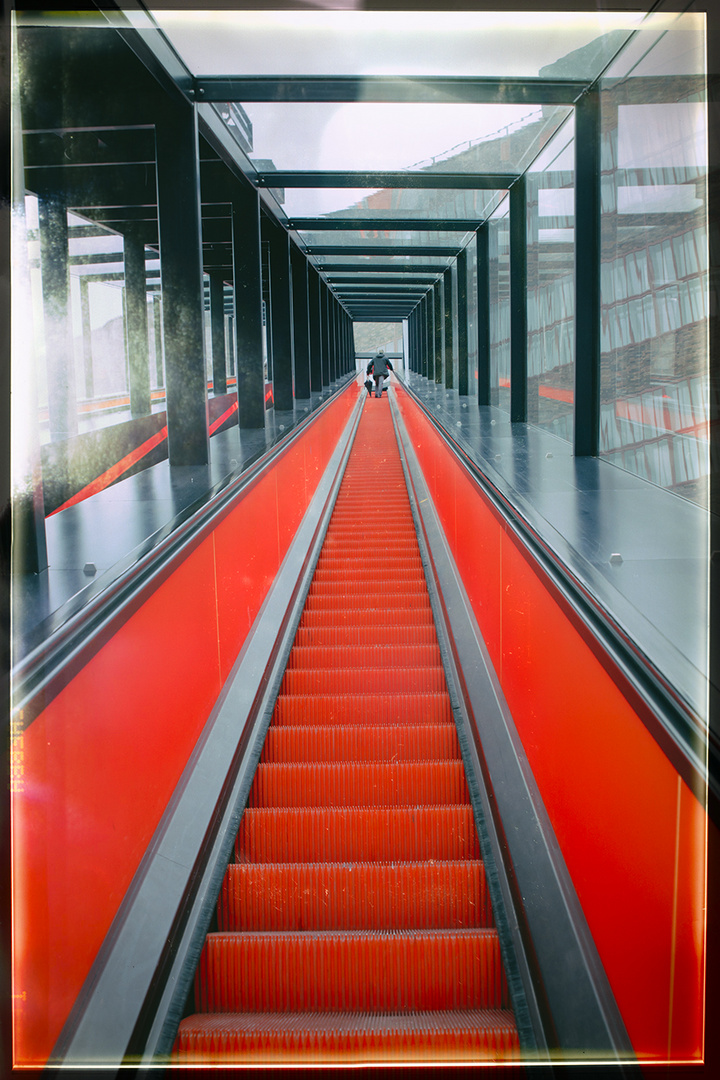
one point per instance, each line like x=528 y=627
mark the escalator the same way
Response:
x=355 y=922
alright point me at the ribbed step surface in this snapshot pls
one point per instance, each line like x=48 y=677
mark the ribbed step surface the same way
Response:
x=298 y=1038
x=355 y=924
x=353 y=971
x=339 y=896
x=351 y=834
x=361 y=743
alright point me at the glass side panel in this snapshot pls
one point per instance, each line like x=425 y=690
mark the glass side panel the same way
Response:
x=654 y=362
x=411 y=203
x=363 y=135
x=392 y=43
x=551 y=285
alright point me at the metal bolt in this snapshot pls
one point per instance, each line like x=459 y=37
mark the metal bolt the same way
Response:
x=616 y=558
x=90 y=569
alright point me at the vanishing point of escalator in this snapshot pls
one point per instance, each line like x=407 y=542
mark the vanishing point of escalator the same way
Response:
x=354 y=923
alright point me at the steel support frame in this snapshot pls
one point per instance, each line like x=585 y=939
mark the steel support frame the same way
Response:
x=247 y=294
x=586 y=432
x=281 y=314
x=439 y=336
x=301 y=321
x=518 y=302
x=483 y=313
x=462 y=322
x=217 y=330
x=449 y=329
x=180 y=229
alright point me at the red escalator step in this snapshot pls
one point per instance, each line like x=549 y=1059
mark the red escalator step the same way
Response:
x=415 y=783
x=351 y=971
x=346 y=615
x=353 y=896
x=396 y=742
x=384 y=679
x=365 y=708
x=351 y=834
x=349 y=1038
x=364 y=637
x=400 y=654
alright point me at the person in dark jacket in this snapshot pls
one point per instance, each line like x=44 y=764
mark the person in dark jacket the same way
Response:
x=378 y=368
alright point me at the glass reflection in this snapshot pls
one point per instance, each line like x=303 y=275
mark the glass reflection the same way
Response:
x=654 y=364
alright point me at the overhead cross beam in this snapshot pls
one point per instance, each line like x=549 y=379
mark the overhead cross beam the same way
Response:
x=439 y=90
x=381 y=249
x=356 y=179
x=378 y=224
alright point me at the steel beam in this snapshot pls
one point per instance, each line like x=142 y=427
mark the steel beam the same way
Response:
x=301 y=324
x=439 y=89
x=483 y=314
x=380 y=224
x=136 y=325
x=438 y=342
x=518 y=303
x=449 y=327
x=217 y=331
x=399 y=249
x=281 y=315
x=587 y=276
x=356 y=179
x=462 y=323
x=247 y=279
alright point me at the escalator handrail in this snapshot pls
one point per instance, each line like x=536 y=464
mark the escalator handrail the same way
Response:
x=39 y=675
x=682 y=735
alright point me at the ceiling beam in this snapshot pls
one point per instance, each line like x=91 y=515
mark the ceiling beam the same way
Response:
x=381 y=249
x=441 y=89
x=357 y=179
x=331 y=269
x=407 y=279
x=379 y=224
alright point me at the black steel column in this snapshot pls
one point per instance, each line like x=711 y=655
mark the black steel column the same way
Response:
x=518 y=302
x=136 y=324
x=483 y=310
x=315 y=342
x=449 y=322
x=301 y=324
x=59 y=359
x=217 y=330
x=87 y=338
x=587 y=275
x=157 y=323
x=462 y=307
x=178 y=187
x=324 y=338
x=281 y=315
x=247 y=290
x=332 y=319
x=439 y=320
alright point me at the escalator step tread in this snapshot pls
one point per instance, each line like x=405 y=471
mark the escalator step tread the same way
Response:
x=399 y=655
x=389 y=680
x=405 y=783
x=363 y=708
x=354 y=896
x=364 y=637
x=351 y=970
x=462 y=1035
x=399 y=742
x=279 y=834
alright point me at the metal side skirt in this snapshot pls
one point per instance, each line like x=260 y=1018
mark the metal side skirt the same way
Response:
x=565 y=986
x=133 y=998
